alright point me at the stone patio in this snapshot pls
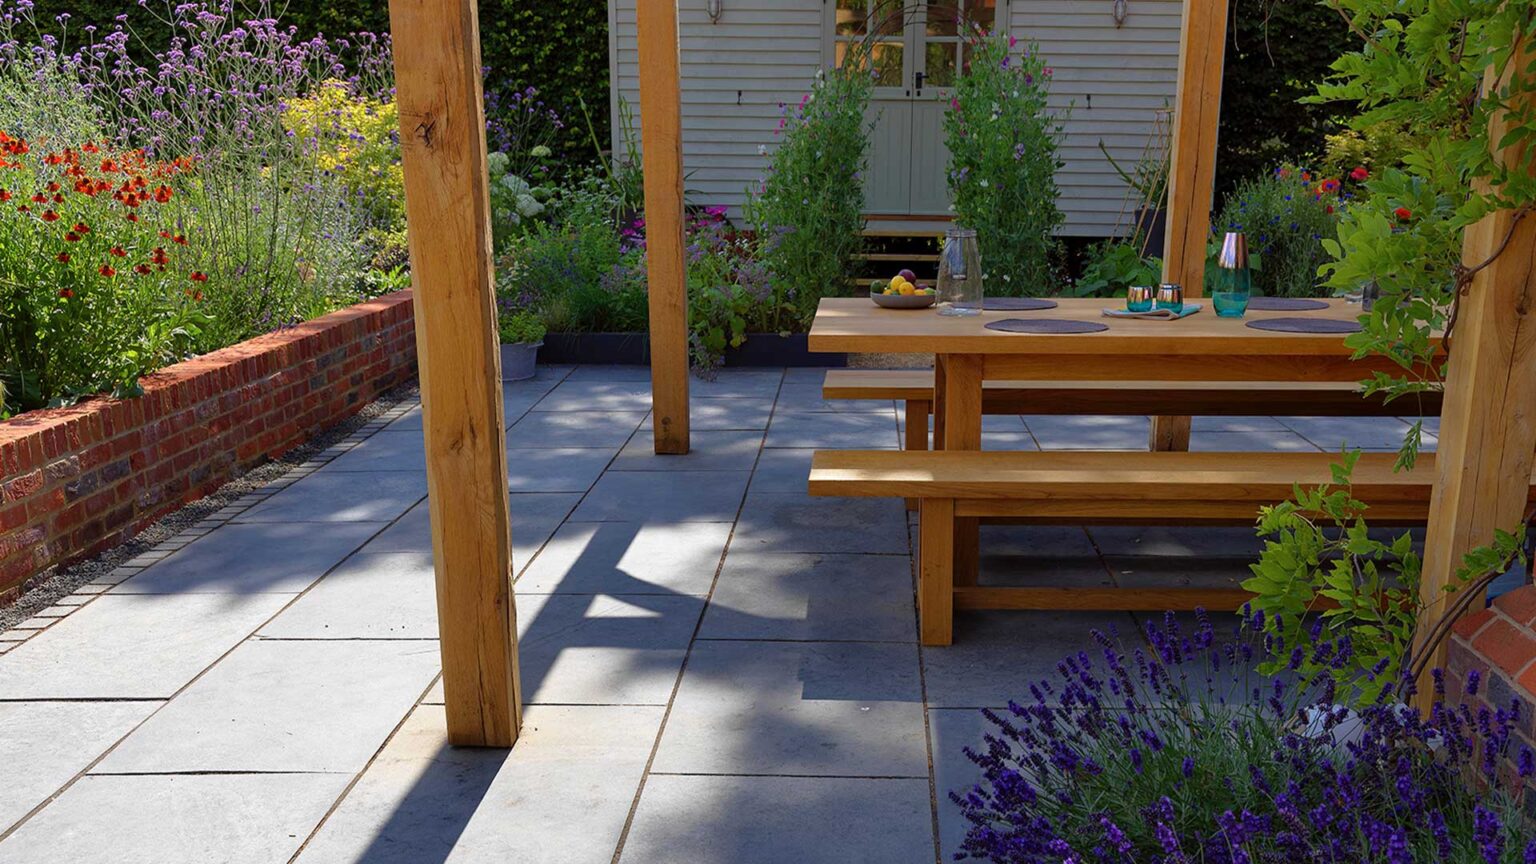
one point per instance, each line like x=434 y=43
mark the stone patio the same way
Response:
x=717 y=667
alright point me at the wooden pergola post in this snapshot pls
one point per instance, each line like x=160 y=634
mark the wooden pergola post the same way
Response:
x=1192 y=168
x=442 y=143
x=661 y=138
x=1488 y=422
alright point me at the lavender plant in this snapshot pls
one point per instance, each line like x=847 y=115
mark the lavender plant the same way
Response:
x=1182 y=753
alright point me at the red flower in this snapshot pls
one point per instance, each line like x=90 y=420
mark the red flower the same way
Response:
x=63 y=257
x=107 y=270
x=71 y=237
x=91 y=148
x=108 y=166
x=53 y=186
x=4 y=196
x=165 y=234
x=141 y=269
x=66 y=293
x=39 y=198
x=118 y=251
x=162 y=194
x=23 y=209
x=50 y=216
x=1329 y=185
x=1403 y=214
x=82 y=228
x=132 y=217
x=1328 y=209
x=199 y=276
x=1306 y=176
x=179 y=239
x=1359 y=175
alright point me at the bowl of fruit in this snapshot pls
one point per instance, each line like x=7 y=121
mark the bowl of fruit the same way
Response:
x=902 y=292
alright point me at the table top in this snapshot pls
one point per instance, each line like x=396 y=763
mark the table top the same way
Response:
x=856 y=324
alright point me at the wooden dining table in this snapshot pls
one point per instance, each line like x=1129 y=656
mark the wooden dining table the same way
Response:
x=1199 y=347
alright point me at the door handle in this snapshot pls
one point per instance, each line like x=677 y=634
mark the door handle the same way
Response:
x=920 y=78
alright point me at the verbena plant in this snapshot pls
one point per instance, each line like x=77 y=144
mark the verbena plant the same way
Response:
x=808 y=211
x=1286 y=215
x=1002 y=140
x=1183 y=753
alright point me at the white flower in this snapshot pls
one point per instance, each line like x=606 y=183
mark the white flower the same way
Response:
x=540 y=152
x=762 y=149
x=1006 y=279
x=527 y=205
x=984 y=183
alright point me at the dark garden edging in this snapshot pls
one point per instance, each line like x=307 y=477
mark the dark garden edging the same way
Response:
x=634 y=349
x=76 y=481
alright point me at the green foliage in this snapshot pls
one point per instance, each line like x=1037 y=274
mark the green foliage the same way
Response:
x=1277 y=52
x=1002 y=142
x=1111 y=267
x=521 y=327
x=1378 y=146
x=355 y=137
x=809 y=210
x=1287 y=215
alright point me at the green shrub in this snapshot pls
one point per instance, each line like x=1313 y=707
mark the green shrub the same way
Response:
x=1286 y=215
x=1002 y=170
x=808 y=211
x=520 y=327
x=1113 y=266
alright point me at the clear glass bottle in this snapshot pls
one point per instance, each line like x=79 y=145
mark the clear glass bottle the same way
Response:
x=959 y=283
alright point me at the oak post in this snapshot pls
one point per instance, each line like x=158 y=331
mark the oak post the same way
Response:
x=442 y=142
x=661 y=138
x=1192 y=169
x=1488 y=422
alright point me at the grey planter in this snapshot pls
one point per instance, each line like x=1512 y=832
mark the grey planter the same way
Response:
x=519 y=360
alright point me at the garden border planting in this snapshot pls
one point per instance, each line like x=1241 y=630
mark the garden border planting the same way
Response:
x=78 y=480
x=1499 y=642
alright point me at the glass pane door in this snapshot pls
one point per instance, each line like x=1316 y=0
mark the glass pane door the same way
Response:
x=882 y=26
x=942 y=38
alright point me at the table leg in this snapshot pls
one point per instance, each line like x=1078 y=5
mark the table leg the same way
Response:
x=958 y=401
x=935 y=578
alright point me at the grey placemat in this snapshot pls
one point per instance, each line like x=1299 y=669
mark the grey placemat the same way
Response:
x=1016 y=304
x=1045 y=325
x=1284 y=304
x=1305 y=325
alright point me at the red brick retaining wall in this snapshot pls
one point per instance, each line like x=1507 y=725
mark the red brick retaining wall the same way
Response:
x=76 y=481
x=1500 y=643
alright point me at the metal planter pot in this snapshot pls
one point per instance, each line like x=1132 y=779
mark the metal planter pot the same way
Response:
x=518 y=361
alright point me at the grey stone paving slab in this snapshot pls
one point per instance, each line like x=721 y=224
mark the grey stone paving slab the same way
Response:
x=386 y=596
x=1332 y=434
x=953 y=730
x=1250 y=441
x=543 y=430
x=46 y=743
x=737 y=383
x=997 y=655
x=562 y=470
x=580 y=650
x=1236 y=424
x=804 y=394
x=1089 y=432
x=277 y=557
x=664 y=496
x=727 y=414
x=249 y=819
x=283 y=706
x=786 y=471
x=765 y=595
x=806 y=708
x=128 y=646
x=389 y=450
x=709 y=450
x=1037 y=541
x=609 y=373
x=561 y=795
x=586 y=395
x=535 y=516
x=789 y=522
x=371 y=496
x=1173 y=572
x=831 y=430
x=774 y=820
x=1183 y=541
x=628 y=558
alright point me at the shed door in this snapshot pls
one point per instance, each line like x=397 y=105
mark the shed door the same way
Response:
x=916 y=51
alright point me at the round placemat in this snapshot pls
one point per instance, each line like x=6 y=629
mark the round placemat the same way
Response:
x=1045 y=325
x=1016 y=304
x=1305 y=325
x=1285 y=304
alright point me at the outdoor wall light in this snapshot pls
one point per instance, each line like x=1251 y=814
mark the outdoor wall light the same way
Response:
x=1120 y=12
x=716 y=8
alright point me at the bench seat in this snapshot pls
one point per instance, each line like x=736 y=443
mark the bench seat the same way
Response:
x=1095 y=488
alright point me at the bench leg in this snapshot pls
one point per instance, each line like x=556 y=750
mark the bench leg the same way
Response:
x=967 y=551
x=935 y=580
x=918 y=411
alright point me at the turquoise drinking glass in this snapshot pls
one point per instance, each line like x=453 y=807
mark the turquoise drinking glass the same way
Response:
x=1138 y=298
x=1170 y=297
x=1234 y=278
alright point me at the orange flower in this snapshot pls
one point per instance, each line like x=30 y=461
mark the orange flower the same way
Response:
x=81 y=228
x=107 y=270
x=4 y=196
x=141 y=269
x=179 y=238
x=63 y=257
x=162 y=194
x=66 y=293
x=1403 y=214
x=119 y=251
x=198 y=276
x=71 y=237
x=50 y=216
x=53 y=186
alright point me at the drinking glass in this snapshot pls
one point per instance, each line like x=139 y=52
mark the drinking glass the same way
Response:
x=959 y=282
x=1138 y=298
x=1234 y=278
x=1170 y=297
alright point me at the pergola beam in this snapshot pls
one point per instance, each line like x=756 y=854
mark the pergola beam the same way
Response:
x=1192 y=168
x=1488 y=423
x=447 y=202
x=661 y=137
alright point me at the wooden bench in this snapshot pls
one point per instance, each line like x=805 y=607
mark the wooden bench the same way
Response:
x=1199 y=398
x=1095 y=488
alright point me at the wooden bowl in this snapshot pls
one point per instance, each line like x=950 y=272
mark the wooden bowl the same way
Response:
x=904 y=301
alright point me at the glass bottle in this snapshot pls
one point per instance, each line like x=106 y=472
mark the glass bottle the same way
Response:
x=959 y=283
